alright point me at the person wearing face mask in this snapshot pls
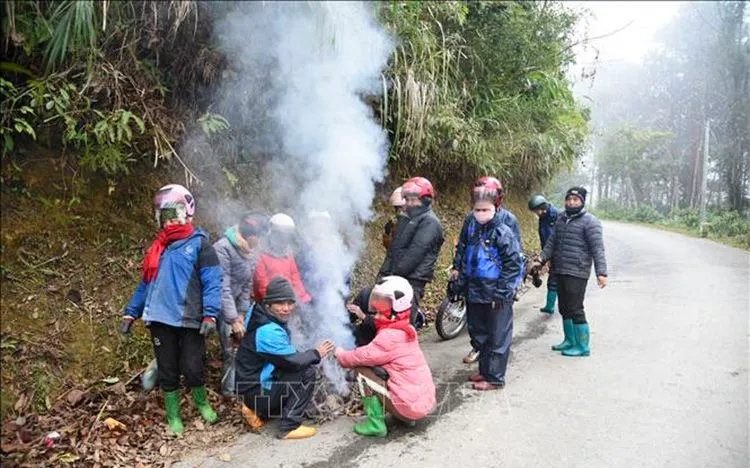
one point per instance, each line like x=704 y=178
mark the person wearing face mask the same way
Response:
x=415 y=248
x=389 y=230
x=576 y=242
x=277 y=259
x=488 y=265
x=507 y=218
x=274 y=379
x=238 y=252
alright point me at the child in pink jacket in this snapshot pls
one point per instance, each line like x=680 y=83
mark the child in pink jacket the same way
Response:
x=408 y=392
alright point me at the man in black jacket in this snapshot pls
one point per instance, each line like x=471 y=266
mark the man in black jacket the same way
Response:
x=419 y=235
x=574 y=245
x=272 y=376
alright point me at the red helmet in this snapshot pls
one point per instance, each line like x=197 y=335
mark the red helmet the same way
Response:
x=419 y=187
x=487 y=188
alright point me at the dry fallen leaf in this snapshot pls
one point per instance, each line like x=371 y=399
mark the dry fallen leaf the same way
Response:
x=75 y=396
x=225 y=457
x=114 y=424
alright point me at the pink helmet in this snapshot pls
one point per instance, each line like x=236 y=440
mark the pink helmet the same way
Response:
x=174 y=195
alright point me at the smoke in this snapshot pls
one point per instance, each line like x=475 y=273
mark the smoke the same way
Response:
x=295 y=97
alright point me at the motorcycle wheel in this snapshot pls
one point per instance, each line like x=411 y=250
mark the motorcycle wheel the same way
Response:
x=450 y=319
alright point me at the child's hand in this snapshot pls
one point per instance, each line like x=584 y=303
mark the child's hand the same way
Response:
x=125 y=324
x=208 y=326
x=325 y=348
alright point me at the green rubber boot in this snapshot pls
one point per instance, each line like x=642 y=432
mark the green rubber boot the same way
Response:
x=201 y=401
x=549 y=308
x=374 y=425
x=172 y=405
x=570 y=337
x=582 y=341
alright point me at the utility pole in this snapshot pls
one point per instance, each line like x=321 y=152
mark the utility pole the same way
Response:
x=704 y=181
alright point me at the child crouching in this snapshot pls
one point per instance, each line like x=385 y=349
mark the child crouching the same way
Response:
x=405 y=389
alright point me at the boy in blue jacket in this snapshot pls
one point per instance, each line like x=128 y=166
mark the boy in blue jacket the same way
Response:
x=179 y=299
x=547 y=215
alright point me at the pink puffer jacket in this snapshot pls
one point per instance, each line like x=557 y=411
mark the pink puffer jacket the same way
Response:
x=410 y=380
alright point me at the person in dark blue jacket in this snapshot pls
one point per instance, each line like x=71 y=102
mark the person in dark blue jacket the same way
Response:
x=179 y=299
x=273 y=378
x=488 y=267
x=547 y=215
x=506 y=218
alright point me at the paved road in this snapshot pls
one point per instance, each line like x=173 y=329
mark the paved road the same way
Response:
x=666 y=384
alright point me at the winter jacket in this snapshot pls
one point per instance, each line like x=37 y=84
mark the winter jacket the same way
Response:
x=410 y=384
x=269 y=267
x=237 y=268
x=488 y=258
x=506 y=217
x=547 y=223
x=265 y=351
x=576 y=241
x=415 y=249
x=187 y=288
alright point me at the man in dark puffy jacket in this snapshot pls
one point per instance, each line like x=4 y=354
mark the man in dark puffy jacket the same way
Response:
x=547 y=215
x=416 y=246
x=574 y=245
x=487 y=266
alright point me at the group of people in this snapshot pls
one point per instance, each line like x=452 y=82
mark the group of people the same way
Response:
x=252 y=282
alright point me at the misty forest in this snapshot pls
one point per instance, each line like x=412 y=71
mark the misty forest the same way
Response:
x=296 y=107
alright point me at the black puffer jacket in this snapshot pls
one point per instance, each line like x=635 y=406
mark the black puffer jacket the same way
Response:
x=414 y=251
x=576 y=242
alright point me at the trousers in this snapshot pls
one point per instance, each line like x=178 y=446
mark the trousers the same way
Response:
x=178 y=351
x=570 y=293
x=491 y=333
x=287 y=399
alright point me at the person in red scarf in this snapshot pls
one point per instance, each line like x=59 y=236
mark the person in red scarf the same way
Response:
x=179 y=300
x=391 y=370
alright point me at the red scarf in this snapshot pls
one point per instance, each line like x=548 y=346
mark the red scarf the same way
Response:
x=401 y=323
x=167 y=235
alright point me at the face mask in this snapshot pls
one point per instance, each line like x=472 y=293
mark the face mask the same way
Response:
x=484 y=217
x=573 y=211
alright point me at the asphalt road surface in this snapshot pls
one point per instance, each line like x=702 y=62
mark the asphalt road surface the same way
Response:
x=666 y=383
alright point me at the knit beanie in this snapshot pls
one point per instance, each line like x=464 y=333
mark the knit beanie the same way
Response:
x=279 y=290
x=579 y=192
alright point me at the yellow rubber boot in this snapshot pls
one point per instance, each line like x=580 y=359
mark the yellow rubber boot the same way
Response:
x=302 y=432
x=252 y=419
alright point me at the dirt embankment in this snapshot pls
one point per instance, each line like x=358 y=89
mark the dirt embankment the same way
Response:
x=71 y=253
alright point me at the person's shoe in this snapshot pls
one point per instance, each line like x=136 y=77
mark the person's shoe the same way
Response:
x=201 y=402
x=476 y=378
x=302 y=432
x=549 y=308
x=374 y=425
x=570 y=337
x=471 y=357
x=172 y=405
x=486 y=386
x=581 y=347
x=252 y=419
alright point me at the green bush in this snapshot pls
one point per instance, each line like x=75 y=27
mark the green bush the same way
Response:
x=645 y=214
x=728 y=224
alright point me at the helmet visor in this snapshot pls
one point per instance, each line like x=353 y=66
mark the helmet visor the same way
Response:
x=380 y=304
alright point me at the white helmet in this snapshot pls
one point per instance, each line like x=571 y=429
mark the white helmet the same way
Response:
x=281 y=223
x=396 y=290
x=318 y=216
x=397 y=198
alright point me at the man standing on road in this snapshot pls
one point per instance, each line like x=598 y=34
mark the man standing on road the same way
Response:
x=416 y=246
x=576 y=242
x=547 y=215
x=492 y=185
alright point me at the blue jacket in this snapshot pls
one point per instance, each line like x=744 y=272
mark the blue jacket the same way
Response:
x=547 y=224
x=510 y=220
x=265 y=351
x=489 y=261
x=187 y=287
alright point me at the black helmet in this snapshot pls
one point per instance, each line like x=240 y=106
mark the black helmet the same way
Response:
x=537 y=201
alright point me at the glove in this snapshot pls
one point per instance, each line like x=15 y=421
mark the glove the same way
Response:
x=208 y=326
x=125 y=324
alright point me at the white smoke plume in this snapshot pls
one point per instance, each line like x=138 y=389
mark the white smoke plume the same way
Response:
x=302 y=70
